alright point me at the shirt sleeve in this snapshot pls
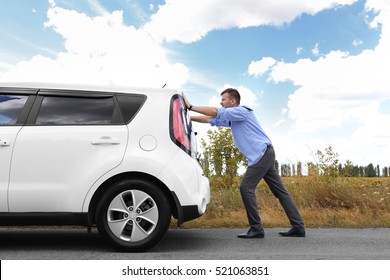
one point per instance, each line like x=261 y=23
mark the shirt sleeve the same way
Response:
x=220 y=119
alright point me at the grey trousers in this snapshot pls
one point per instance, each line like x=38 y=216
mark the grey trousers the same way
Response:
x=265 y=168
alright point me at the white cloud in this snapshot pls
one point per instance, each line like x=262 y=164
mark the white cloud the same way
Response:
x=4 y=67
x=258 y=68
x=337 y=88
x=372 y=138
x=97 y=7
x=316 y=51
x=357 y=42
x=100 y=50
x=189 y=21
x=341 y=91
x=279 y=122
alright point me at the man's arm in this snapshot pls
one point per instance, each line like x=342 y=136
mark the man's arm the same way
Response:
x=201 y=119
x=204 y=110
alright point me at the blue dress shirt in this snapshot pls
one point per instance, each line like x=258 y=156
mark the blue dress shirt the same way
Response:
x=247 y=133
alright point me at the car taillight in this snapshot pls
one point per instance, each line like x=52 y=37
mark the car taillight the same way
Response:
x=178 y=125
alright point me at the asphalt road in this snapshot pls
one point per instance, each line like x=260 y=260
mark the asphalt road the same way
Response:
x=198 y=244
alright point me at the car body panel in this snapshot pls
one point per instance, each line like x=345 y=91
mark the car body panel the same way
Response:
x=62 y=163
x=7 y=142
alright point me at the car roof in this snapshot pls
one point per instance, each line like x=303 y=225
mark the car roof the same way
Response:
x=86 y=87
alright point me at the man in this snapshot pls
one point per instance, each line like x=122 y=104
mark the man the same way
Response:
x=254 y=144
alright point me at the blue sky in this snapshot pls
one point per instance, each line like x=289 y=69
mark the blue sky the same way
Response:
x=314 y=71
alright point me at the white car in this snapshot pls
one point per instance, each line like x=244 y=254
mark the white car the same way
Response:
x=123 y=159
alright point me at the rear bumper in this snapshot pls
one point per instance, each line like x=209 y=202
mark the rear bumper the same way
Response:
x=190 y=189
x=188 y=212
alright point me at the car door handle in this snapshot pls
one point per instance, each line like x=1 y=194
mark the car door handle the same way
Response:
x=5 y=142
x=105 y=140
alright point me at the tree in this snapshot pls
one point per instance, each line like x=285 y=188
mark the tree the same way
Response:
x=328 y=162
x=348 y=169
x=341 y=169
x=370 y=170
x=220 y=156
x=299 y=169
x=312 y=169
x=285 y=170
x=293 y=170
x=355 y=171
x=362 y=171
x=385 y=172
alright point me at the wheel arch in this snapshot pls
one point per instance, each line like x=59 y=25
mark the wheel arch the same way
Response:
x=173 y=201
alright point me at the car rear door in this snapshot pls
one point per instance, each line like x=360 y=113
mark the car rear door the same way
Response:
x=13 y=113
x=71 y=139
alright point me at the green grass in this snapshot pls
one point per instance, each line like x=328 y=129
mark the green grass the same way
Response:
x=322 y=202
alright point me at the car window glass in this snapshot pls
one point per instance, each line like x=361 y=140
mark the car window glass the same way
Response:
x=75 y=111
x=130 y=105
x=10 y=108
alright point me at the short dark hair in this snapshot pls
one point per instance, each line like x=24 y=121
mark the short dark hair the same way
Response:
x=233 y=94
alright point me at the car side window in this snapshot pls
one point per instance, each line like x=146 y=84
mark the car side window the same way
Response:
x=11 y=107
x=130 y=104
x=56 y=110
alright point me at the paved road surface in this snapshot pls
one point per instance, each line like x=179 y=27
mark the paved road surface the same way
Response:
x=186 y=244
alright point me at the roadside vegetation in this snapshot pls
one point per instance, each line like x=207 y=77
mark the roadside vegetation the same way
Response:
x=340 y=202
x=329 y=195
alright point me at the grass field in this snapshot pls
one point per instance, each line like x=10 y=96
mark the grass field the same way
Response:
x=322 y=202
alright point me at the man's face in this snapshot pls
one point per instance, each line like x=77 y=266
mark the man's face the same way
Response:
x=227 y=101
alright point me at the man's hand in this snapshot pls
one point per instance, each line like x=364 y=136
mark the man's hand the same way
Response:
x=186 y=102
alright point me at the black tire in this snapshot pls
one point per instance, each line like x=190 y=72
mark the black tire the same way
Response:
x=133 y=215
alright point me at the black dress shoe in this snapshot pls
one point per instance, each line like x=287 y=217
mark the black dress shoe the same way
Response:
x=252 y=233
x=294 y=232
